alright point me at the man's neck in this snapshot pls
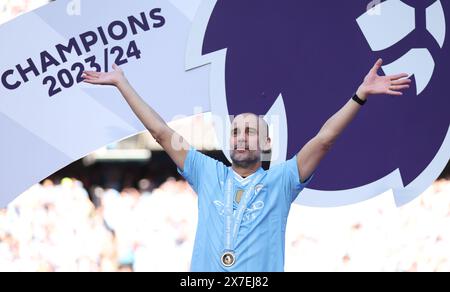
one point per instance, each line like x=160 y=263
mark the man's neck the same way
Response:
x=248 y=171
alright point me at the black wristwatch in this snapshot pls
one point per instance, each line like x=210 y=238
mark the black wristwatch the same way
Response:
x=359 y=100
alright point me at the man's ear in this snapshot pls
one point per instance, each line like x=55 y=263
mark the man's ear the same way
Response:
x=267 y=145
x=266 y=153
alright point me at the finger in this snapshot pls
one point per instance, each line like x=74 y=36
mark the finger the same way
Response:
x=401 y=82
x=398 y=87
x=395 y=93
x=377 y=65
x=90 y=81
x=87 y=76
x=116 y=68
x=92 y=73
x=398 y=76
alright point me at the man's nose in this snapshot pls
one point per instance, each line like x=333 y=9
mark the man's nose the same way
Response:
x=241 y=137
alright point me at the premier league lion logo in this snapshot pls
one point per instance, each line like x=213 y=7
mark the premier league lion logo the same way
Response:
x=312 y=55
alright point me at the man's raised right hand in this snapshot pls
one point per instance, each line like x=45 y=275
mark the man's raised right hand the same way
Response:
x=101 y=78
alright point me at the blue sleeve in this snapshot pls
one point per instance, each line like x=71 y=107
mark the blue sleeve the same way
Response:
x=200 y=168
x=293 y=179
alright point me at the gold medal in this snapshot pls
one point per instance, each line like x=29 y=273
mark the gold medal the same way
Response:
x=228 y=259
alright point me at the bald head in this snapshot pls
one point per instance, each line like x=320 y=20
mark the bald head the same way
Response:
x=249 y=138
x=251 y=118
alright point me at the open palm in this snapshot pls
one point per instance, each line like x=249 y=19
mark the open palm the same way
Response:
x=376 y=84
x=102 y=78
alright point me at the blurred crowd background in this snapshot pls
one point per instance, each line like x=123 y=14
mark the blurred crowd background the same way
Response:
x=124 y=208
x=61 y=227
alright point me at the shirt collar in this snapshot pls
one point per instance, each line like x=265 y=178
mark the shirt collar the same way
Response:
x=246 y=180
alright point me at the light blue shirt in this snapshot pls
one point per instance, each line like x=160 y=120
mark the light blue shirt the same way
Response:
x=260 y=242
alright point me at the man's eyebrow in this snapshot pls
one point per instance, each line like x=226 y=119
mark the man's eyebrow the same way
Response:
x=235 y=127
x=246 y=127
